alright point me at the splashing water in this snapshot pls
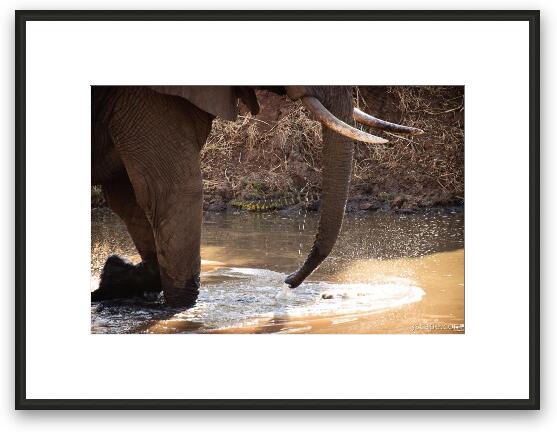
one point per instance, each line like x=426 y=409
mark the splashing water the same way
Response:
x=382 y=266
x=283 y=293
x=250 y=292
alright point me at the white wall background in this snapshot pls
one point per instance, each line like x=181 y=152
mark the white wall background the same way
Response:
x=476 y=365
x=245 y=421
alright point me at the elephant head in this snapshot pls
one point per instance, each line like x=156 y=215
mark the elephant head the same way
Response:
x=333 y=107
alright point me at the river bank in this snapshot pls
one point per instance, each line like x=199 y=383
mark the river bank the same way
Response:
x=357 y=204
x=258 y=160
x=277 y=154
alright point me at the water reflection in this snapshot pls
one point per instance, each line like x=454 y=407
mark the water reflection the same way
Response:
x=388 y=273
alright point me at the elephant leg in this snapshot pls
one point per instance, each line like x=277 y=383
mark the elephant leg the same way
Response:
x=159 y=146
x=120 y=278
x=178 y=240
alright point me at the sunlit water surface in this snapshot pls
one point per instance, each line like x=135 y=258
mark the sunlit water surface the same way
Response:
x=389 y=273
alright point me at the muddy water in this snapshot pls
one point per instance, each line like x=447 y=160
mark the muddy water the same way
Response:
x=389 y=273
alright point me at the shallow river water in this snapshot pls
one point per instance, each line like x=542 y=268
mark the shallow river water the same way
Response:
x=388 y=273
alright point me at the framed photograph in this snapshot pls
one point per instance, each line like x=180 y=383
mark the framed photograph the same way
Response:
x=277 y=210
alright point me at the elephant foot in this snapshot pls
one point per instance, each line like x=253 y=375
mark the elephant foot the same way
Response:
x=122 y=279
x=185 y=297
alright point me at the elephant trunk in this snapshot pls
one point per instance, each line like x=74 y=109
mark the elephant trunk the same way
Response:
x=337 y=158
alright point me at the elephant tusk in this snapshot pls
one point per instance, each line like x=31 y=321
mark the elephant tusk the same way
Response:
x=374 y=122
x=324 y=116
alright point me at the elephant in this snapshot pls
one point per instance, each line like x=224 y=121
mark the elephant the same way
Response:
x=146 y=143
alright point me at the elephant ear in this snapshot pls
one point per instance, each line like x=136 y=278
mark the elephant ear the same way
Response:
x=221 y=101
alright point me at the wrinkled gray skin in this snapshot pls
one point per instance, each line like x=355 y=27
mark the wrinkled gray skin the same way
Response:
x=145 y=153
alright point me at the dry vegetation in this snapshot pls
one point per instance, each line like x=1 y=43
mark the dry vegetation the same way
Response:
x=254 y=158
x=278 y=152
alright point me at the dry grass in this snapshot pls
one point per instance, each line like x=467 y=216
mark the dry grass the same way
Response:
x=262 y=158
x=428 y=165
x=255 y=158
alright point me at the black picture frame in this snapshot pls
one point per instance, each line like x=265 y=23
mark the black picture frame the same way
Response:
x=531 y=16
